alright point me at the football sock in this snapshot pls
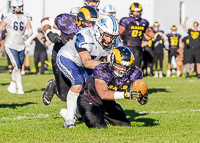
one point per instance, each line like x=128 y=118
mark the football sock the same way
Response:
x=13 y=75
x=18 y=79
x=71 y=105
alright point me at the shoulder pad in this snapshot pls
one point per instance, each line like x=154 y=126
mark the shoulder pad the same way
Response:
x=6 y=15
x=28 y=16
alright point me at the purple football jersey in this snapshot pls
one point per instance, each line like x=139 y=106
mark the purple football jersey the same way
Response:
x=133 y=34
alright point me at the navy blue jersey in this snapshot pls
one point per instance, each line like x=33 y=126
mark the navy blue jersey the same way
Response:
x=134 y=31
x=104 y=72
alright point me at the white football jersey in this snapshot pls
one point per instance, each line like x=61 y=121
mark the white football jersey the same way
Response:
x=16 y=26
x=84 y=39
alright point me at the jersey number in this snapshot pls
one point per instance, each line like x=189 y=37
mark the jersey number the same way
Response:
x=20 y=27
x=135 y=33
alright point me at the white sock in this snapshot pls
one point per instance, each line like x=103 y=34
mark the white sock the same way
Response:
x=71 y=105
x=178 y=73
x=18 y=79
x=168 y=72
x=13 y=75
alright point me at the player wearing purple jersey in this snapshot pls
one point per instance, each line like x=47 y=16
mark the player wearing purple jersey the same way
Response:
x=174 y=39
x=109 y=82
x=68 y=26
x=132 y=29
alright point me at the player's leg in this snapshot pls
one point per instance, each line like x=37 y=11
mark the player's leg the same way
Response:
x=43 y=56
x=197 y=60
x=36 y=61
x=115 y=114
x=17 y=59
x=156 y=65
x=161 y=65
x=91 y=115
x=169 y=65
x=77 y=77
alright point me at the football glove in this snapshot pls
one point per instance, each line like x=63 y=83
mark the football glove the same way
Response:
x=143 y=99
x=53 y=37
x=132 y=94
x=158 y=38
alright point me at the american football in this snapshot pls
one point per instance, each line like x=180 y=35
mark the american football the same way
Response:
x=141 y=85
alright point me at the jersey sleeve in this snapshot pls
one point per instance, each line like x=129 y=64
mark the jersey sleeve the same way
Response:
x=6 y=18
x=66 y=23
x=84 y=41
x=28 y=17
x=124 y=21
x=137 y=74
x=104 y=72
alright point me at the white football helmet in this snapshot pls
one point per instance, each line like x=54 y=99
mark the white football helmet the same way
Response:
x=74 y=11
x=98 y=1
x=110 y=9
x=17 y=4
x=107 y=25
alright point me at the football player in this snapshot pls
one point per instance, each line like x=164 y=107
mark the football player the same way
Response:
x=132 y=29
x=16 y=23
x=69 y=25
x=109 y=82
x=75 y=59
x=174 y=40
x=194 y=44
x=158 y=46
x=95 y=4
x=111 y=10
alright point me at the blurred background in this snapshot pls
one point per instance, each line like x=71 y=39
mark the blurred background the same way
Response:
x=166 y=12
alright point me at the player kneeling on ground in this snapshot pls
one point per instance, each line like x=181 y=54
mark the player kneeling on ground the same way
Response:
x=109 y=82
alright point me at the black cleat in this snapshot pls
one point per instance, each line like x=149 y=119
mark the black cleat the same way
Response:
x=198 y=76
x=187 y=76
x=48 y=93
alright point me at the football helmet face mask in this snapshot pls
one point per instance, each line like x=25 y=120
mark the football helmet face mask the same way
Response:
x=106 y=30
x=95 y=4
x=17 y=6
x=174 y=29
x=86 y=16
x=156 y=26
x=111 y=10
x=135 y=11
x=74 y=11
x=121 y=61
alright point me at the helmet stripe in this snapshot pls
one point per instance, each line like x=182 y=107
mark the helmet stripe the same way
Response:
x=110 y=7
x=86 y=13
x=114 y=24
x=117 y=56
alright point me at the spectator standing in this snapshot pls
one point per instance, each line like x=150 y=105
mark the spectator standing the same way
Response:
x=40 y=53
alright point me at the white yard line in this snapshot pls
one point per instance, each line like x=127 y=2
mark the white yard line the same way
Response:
x=163 y=112
x=27 y=117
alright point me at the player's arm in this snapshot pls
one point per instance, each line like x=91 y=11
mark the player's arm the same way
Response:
x=103 y=91
x=184 y=25
x=158 y=36
x=29 y=32
x=88 y=62
x=2 y=25
x=121 y=31
x=46 y=27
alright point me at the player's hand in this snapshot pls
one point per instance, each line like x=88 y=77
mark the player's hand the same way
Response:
x=25 y=37
x=143 y=99
x=158 y=38
x=132 y=94
x=53 y=37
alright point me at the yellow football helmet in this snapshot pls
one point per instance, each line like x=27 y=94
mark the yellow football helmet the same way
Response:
x=121 y=60
x=86 y=14
x=135 y=7
x=196 y=24
x=173 y=27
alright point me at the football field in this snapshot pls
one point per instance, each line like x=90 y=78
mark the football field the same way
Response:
x=171 y=115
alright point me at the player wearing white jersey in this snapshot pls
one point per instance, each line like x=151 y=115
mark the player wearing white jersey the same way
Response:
x=83 y=53
x=95 y=4
x=16 y=23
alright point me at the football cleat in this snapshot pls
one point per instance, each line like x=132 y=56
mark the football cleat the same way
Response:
x=68 y=125
x=48 y=93
x=12 y=88
x=20 y=91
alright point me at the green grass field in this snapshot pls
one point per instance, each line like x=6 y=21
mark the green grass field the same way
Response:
x=171 y=115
